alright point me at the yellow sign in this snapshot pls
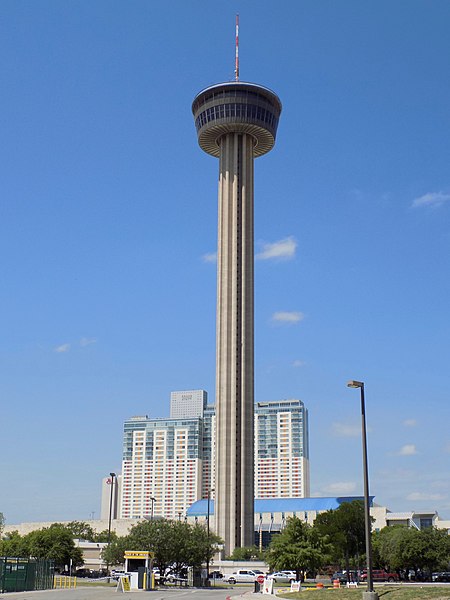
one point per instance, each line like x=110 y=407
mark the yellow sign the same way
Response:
x=126 y=583
x=138 y=554
x=123 y=585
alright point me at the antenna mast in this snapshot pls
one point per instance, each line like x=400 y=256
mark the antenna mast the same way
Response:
x=236 y=67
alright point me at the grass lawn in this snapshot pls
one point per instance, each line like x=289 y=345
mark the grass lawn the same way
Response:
x=390 y=592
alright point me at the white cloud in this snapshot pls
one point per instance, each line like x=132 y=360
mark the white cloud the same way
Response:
x=298 y=363
x=346 y=429
x=421 y=496
x=407 y=450
x=63 y=348
x=431 y=199
x=210 y=257
x=87 y=341
x=340 y=487
x=288 y=317
x=280 y=250
x=410 y=422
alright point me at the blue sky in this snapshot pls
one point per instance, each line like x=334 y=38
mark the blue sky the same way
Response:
x=108 y=217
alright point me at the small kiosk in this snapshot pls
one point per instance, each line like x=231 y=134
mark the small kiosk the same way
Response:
x=138 y=566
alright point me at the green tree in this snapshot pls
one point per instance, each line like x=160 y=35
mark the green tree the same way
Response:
x=346 y=530
x=175 y=544
x=80 y=530
x=55 y=543
x=299 y=547
x=435 y=549
x=13 y=544
x=113 y=554
x=202 y=546
x=247 y=553
x=402 y=548
x=388 y=547
x=104 y=536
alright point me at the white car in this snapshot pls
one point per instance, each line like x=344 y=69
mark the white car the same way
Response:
x=282 y=577
x=242 y=576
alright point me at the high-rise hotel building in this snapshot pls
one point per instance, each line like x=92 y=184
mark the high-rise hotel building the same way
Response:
x=281 y=450
x=168 y=464
x=161 y=467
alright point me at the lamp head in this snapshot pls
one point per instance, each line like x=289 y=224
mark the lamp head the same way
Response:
x=112 y=474
x=355 y=384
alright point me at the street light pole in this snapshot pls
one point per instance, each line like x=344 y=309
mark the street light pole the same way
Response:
x=153 y=503
x=113 y=476
x=207 y=535
x=370 y=594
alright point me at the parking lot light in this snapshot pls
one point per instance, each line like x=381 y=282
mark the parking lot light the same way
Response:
x=370 y=594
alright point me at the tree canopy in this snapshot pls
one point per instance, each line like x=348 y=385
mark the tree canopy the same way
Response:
x=54 y=542
x=247 y=553
x=299 y=547
x=401 y=548
x=175 y=544
x=346 y=529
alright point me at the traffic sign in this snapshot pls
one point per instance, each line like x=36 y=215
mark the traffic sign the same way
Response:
x=260 y=579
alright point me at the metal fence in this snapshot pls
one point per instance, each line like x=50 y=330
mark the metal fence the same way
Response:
x=25 y=574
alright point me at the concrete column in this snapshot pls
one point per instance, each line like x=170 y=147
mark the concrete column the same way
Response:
x=235 y=344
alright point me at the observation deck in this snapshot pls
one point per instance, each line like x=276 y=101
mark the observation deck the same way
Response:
x=236 y=107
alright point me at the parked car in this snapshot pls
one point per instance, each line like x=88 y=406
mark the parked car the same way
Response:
x=339 y=576
x=282 y=576
x=87 y=573
x=442 y=576
x=380 y=575
x=180 y=577
x=215 y=575
x=342 y=576
x=243 y=576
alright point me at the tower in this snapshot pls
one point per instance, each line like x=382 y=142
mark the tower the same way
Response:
x=236 y=122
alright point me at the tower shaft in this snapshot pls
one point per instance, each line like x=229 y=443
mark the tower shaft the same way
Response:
x=234 y=351
x=236 y=122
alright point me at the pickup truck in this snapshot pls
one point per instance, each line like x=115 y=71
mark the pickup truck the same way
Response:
x=380 y=575
x=243 y=576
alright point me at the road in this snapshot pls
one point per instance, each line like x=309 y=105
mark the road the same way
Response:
x=103 y=593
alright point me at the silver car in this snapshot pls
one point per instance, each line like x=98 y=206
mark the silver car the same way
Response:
x=283 y=577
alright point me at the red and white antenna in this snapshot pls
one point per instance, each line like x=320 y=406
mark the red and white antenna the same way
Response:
x=236 y=67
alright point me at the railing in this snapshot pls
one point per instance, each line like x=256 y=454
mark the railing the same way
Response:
x=64 y=582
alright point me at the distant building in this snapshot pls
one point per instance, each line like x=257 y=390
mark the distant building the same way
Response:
x=415 y=519
x=168 y=464
x=161 y=467
x=271 y=514
x=111 y=497
x=209 y=450
x=191 y=403
x=281 y=450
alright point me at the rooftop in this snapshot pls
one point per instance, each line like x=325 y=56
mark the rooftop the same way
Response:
x=277 y=505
